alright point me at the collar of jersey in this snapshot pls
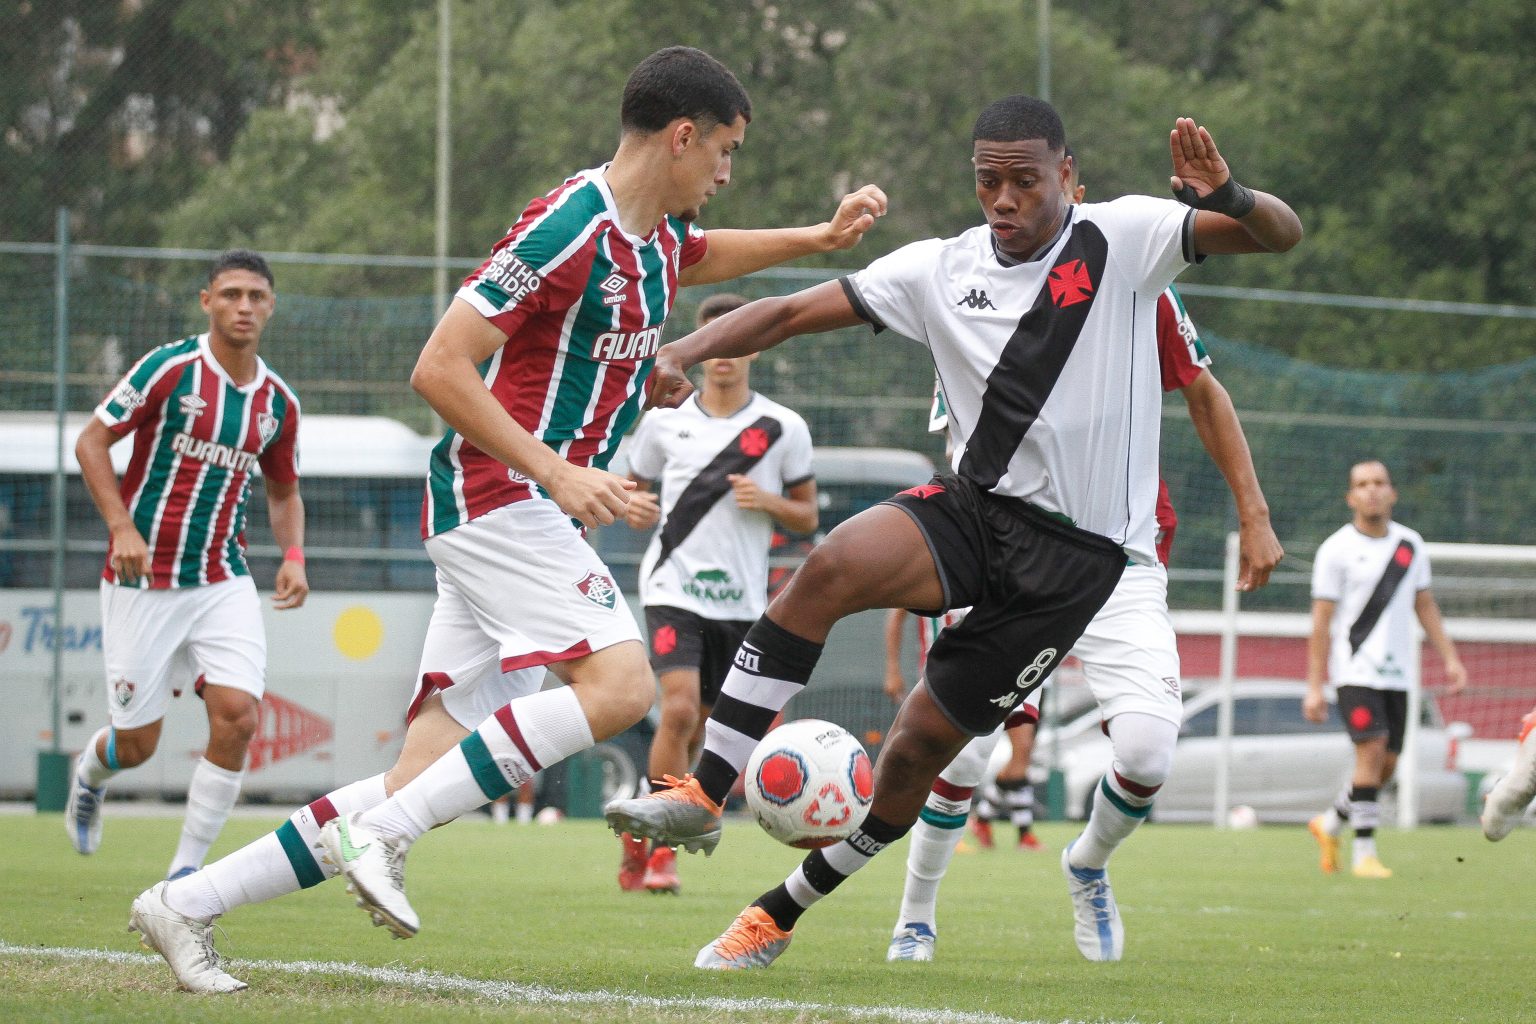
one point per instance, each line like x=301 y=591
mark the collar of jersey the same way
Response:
x=1009 y=261
x=698 y=403
x=223 y=374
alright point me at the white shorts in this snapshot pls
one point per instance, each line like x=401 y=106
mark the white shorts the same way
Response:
x=159 y=641
x=517 y=589
x=1129 y=654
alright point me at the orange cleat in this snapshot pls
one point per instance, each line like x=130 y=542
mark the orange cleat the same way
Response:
x=1328 y=862
x=981 y=830
x=1371 y=867
x=682 y=814
x=752 y=940
x=1030 y=841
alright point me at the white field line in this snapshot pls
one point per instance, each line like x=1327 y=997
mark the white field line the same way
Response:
x=529 y=995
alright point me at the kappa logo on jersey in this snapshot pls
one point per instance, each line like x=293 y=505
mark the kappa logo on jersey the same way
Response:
x=977 y=299
x=924 y=491
x=599 y=589
x=753 y=442
x=127 y=396
x=512 y=275
x=213 y=453
x=614 y=284
x=1070 y=284
x=192 y=405
x=266 y=426
x=613 y=345
x=122 y=692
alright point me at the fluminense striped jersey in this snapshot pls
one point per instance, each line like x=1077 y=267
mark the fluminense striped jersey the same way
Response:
x=582 y=304
x=197 y=437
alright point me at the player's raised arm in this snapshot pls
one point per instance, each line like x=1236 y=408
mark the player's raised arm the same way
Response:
x=752 y=328
x=1233 y=217
x=734 y=253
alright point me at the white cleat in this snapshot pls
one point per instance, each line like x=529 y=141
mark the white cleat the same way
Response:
x=1100 y=935
x=375 y=870
x=1508 y=800
x=185 y=942
x=82 y=815
x=912 y=941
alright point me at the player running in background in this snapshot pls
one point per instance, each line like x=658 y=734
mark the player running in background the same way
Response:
x=730 y=464
x=1131 y=664
x=1042 y=329
x=538 y=367
x=1370 y=579
x=179 y=609
x=1513 y=793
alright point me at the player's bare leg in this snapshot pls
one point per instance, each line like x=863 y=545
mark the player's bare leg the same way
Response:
x=674 y=748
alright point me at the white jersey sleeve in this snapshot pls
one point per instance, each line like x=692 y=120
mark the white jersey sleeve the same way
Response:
x=797 y=466
x=1152 y=238
x=893 y=290
x=645 y=456
x=1328 y=571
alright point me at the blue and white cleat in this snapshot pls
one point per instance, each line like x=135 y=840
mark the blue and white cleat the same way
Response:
x=181 y=872
x=912 y=941
x=82 y=815
x=1100 y=935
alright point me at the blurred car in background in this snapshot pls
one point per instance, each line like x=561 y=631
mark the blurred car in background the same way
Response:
x=1283 y=766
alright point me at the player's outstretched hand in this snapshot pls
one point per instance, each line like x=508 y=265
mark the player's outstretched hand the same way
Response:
x=1259 y=552
x=855 y=215
x=1314 y=707
x=292 y=585
x=591 y=496
x=643 y=511
x=1196 y=161
x=669 y=386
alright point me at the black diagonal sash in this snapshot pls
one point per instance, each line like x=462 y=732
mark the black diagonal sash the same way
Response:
x=711 y=484
x=1391 y=579
x=1032 y=360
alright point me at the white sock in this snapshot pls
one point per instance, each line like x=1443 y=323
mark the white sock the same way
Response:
x=1364 y=848
x=89 y=769
x=939 y=829
x=524 y=737
x=210 y=798
x=278 y=863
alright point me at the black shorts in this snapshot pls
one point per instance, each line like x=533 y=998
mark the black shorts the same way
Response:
x=1032 y=580
x=679 y=639
x=1368 y=713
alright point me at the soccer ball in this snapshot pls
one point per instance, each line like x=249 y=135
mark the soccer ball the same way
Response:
x=1242 y=817
x=809 y=783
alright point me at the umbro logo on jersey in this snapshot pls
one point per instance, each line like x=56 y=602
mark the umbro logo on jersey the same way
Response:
x=1070 y=284
x=977 y=299
x=614 y=285
x=192 y=405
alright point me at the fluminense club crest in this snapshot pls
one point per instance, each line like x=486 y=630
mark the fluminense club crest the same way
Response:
x=266 y=426
x=122 y=692
x=599 y=589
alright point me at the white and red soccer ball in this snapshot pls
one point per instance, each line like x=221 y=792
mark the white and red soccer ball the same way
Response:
x=809 y=783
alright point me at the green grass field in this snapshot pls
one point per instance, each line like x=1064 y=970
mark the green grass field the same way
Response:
x=526 y=924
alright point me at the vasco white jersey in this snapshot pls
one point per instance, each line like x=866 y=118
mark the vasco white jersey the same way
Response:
x=1049 y=366
x=708 y=556
x=1374 y=582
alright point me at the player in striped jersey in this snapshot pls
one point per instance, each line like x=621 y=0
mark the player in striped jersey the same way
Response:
x=1041 y=326
x=177 y=600
x=538 y=367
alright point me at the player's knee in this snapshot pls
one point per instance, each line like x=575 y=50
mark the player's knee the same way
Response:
x=133 y=748
x=827 y=579
x=680 y=714
x=1143 y=747
x=631 y=699
x=234 y=723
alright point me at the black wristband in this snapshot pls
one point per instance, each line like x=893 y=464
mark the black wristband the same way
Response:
x=1232 y=198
